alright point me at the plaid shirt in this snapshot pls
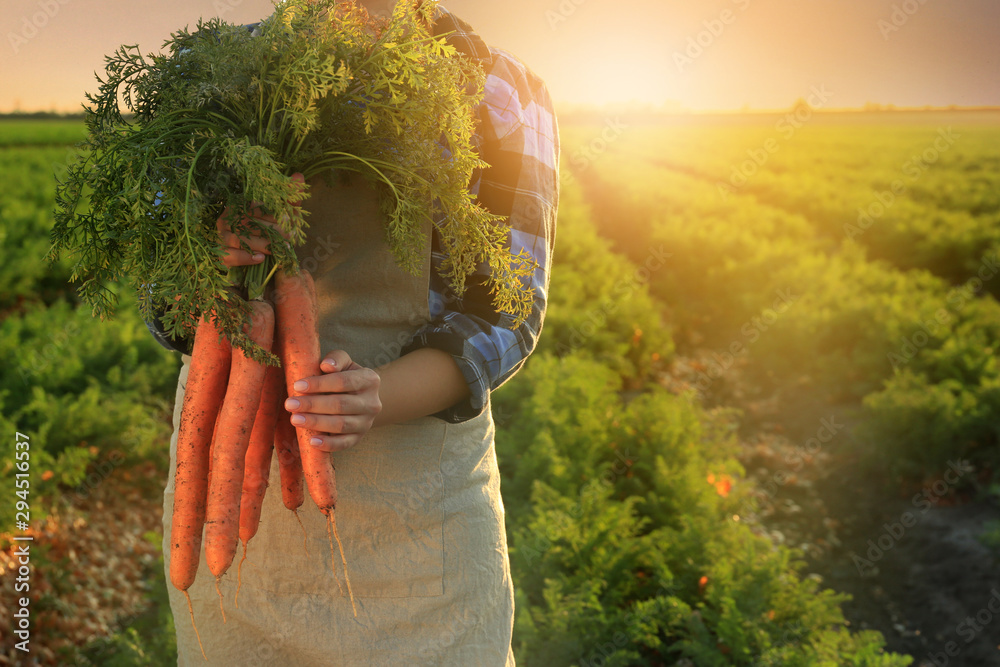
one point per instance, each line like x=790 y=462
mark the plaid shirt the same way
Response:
x=518 y=137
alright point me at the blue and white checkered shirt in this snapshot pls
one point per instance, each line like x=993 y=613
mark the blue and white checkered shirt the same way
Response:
x=518 y=137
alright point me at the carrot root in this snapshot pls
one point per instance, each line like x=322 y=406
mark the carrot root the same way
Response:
x=196 y=633
x=305 y=535
x=332 y=521
x=333 y=558
x=239 y=575
x=221 y=607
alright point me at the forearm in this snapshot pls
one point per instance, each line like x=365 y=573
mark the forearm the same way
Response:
x=421 y=383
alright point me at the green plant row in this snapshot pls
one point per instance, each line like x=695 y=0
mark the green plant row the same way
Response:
x=92 y=396
x=915 y=345
x=624 y=544
x=26 y=203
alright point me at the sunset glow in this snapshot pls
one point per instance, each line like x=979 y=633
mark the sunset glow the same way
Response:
x=712 y=54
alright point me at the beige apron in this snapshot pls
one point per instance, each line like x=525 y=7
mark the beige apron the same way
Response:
x=419 y=511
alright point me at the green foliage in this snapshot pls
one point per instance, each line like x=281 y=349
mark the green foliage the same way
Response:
x=623 y=549
x=625 y=554
x=48 y=132
x=886 y=237
x=84 y=392
x=947 y=418
x=26 y=211
x=943 y=399
x=227 y=116
x=599 y=302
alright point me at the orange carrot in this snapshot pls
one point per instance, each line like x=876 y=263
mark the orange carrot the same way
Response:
x=286 y=446
x=208 y=375
x=258 y=459
x=235 y=424
x=300 y=354
x=295 y=302
x=286 y=441
x=258 y=462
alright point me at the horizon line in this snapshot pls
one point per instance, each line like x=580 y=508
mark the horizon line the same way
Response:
x=663 y=108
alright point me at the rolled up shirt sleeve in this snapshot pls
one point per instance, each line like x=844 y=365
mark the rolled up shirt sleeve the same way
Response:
x=182 y=345
x=518 y=137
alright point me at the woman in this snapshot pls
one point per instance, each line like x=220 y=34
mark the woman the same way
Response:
x=404 y=407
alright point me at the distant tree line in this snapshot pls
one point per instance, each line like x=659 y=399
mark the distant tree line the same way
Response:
x=41 y=115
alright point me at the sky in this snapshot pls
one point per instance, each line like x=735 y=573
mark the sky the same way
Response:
x=690 y=54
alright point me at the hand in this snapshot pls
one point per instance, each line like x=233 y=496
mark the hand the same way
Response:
x=235 y=254
x=341 y=405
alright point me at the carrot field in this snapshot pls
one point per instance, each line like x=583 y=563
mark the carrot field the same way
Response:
x=761 y=426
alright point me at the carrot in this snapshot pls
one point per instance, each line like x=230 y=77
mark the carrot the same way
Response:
x=258 y=462
x=286 y=441
x=258 y=458
x=208 y=375
x=295 y=301
x=289 y=463
x=235 y=424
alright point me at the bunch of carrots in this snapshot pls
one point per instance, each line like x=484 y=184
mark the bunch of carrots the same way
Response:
x=225 y=446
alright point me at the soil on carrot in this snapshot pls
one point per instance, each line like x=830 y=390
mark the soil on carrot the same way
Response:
x=911 y=553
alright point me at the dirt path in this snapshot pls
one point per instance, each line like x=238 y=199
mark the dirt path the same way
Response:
x=910 y=553
x=918 y=572
x=90 y=577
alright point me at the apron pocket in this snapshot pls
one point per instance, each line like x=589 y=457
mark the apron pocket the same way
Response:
x=390 y=512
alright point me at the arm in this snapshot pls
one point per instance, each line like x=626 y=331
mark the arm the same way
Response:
x=441 y=381
x=350 y=399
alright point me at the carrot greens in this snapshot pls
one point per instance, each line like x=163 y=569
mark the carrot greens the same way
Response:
x=225 y=115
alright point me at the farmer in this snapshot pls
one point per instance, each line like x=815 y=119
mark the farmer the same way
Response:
x=404 y=405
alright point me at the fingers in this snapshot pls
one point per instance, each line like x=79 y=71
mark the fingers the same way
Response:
x=223 y=224
x=337 y=360
x=349 y=381
x=232 y=243
x=334 y=424
x=316 y=411
x=340 y=405
x=332 y=432
x=257 y=243
x=330 y=404
x=236 y=255
x=335 y=443
x=240 y=257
